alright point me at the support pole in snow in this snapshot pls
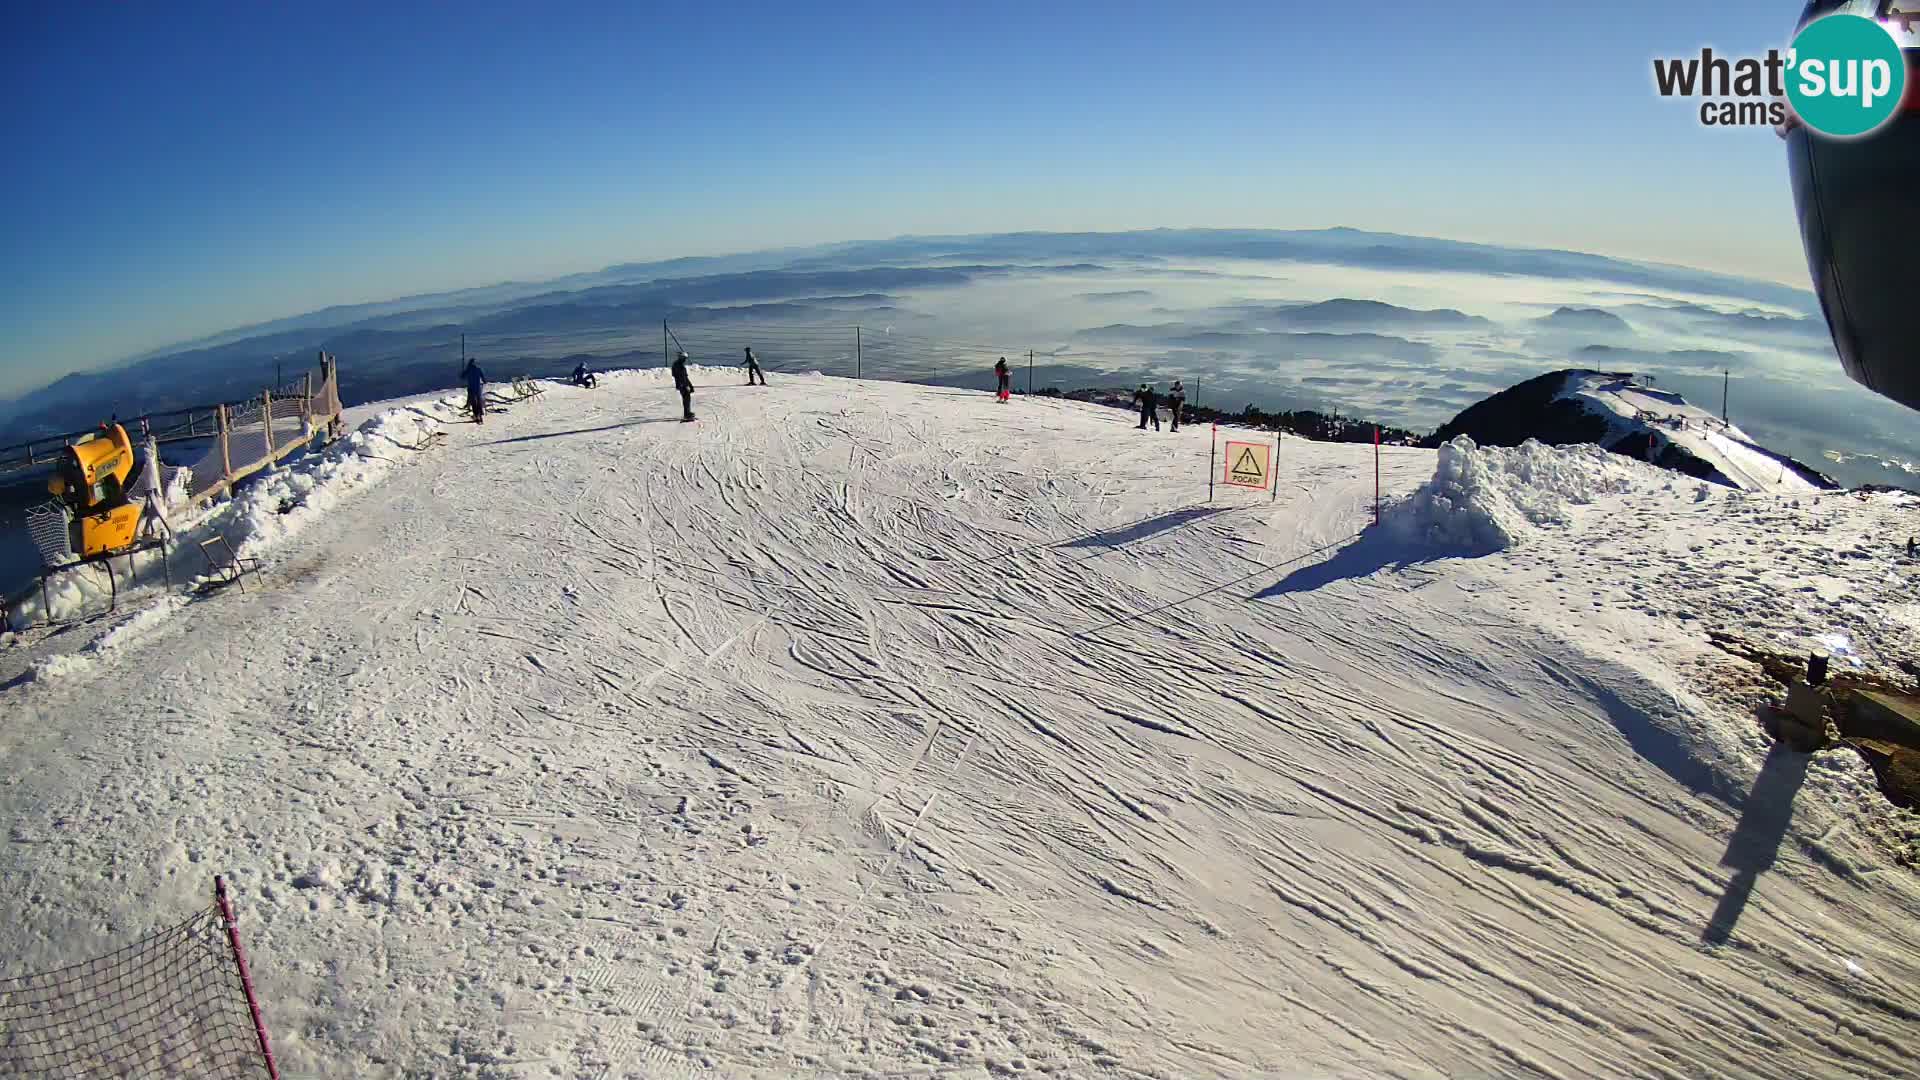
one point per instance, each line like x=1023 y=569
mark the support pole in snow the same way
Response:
x=856 y=352
x=246 y=979
x=664 y=358
x=1029 y=372
x=226 y=445
x=1726 y=377
x=1212 y=448
x=1274 y=464
x=266 y=405
x=1376 y=476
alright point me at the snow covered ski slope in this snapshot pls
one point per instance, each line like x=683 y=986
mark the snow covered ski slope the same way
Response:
x=863 y=728
x=1633 y=410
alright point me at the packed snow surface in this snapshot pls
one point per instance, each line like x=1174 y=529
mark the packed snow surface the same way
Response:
x=1631 y=408
x=861 y=728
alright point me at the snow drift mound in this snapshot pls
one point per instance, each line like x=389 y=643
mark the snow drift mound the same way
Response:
x=1487 y=499
x=281 y=503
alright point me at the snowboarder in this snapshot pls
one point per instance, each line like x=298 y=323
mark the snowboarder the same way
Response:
x=683 y=384
x=584 y=378
x=753 y=369
x=476 y=389
x=1176 y=402
x=1005 y=378
x=1149 y=406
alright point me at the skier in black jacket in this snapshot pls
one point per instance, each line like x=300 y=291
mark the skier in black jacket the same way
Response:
x=476 y=389
x=683 y=384
x=1149 y=406
x=753 y=369
x=1005 y=377
x=1176 y=402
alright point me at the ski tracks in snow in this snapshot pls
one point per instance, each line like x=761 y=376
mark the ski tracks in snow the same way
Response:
x=775 y=744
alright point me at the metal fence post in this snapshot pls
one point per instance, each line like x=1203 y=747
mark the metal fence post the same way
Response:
x=856 y=352
x=266 y=400
x=1376 y=476
x=1029 y=372
x=221 y=417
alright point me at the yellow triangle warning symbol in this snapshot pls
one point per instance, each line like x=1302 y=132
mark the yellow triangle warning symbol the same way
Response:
x=1249 y=469
x=1247 y=464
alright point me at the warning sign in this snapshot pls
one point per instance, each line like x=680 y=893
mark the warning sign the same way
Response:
x=1249 y=464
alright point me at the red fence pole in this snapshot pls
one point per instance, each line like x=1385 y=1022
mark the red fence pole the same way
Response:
x=246 y=980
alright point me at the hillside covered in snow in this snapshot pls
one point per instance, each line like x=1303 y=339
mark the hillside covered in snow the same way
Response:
x=1633 y=419
x=867 y=728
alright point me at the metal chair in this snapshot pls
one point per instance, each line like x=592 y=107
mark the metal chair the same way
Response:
x=230 y=570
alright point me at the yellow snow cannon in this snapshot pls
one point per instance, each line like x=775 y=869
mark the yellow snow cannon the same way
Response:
x=91 y=480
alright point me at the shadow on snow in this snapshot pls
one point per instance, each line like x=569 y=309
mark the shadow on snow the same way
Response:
x=1374 y=550
x=581 y=431
x=1755 y=843
x=1145 y=527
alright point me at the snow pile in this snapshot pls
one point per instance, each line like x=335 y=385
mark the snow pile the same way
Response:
x=282 y=502
x=132 y=629
x=1487 y=499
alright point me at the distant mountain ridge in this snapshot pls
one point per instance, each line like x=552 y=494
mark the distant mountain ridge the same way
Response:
x=1589 y=320
x=1337 y=246
x=1346 y=312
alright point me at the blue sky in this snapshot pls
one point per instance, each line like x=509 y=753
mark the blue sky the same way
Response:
x=179 y=169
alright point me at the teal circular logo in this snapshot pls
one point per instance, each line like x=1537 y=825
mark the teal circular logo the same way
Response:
x=1846 y=75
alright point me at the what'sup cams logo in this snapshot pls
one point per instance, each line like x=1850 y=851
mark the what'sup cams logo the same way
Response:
x=1843 y=77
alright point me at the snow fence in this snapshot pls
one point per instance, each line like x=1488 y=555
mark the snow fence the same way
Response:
x=178 y=1002
x=1487 y=498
